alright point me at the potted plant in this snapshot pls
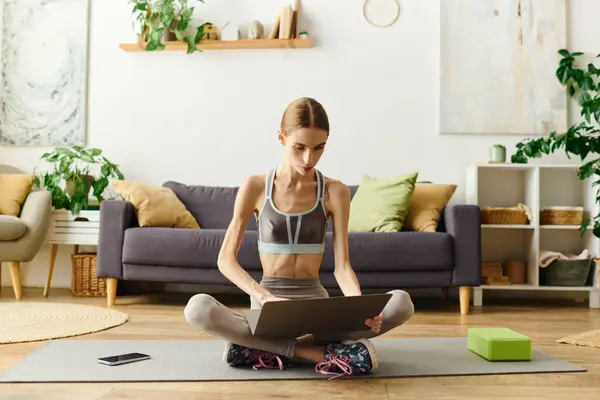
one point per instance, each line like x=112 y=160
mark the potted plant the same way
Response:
x=582 y=138
x=163 y=20
x=71 y=179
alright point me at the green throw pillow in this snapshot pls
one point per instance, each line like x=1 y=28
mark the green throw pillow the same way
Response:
x=381 y=205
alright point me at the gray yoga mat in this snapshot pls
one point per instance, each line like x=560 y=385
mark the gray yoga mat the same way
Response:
x=202 y=360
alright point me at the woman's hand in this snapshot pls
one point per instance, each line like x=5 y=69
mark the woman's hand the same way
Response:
x=271 y=297
x=375 y=323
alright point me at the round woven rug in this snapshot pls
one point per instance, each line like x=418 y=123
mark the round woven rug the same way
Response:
x=29 y=321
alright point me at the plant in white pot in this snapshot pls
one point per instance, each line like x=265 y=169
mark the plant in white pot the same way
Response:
x=71 y=179
x=164 y=20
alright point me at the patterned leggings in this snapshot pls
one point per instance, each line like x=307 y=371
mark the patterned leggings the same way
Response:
x=209 y=315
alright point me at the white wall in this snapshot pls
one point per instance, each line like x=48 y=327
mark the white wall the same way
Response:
x=212 y=118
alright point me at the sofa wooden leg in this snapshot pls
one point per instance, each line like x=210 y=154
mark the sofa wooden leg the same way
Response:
x=15 y=272
x=465 y=299
x=111 y=291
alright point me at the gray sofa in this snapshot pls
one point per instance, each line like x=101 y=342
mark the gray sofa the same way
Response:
x=450 y=257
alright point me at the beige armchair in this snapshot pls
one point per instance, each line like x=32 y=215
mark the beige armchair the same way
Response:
x=21 y=237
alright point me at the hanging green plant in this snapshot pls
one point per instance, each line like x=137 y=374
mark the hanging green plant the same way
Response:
x=582 y=139
x=160 y=20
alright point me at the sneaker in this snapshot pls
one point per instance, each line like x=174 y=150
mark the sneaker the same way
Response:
x=350 y=357
x=239 y=356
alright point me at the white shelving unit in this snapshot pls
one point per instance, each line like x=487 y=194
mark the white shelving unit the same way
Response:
x=537 y=186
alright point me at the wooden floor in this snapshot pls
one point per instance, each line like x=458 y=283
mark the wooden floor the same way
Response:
x=160 y=317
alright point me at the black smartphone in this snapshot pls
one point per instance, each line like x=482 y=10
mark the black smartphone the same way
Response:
x=123 y=358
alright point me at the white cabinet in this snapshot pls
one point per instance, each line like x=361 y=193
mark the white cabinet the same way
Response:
x=77 y=230
x=65 y=228
x=536 y=186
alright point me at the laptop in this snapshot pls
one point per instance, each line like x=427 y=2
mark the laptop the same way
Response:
x=294 y=318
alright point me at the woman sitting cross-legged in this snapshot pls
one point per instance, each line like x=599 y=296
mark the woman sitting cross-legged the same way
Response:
x=293 y=204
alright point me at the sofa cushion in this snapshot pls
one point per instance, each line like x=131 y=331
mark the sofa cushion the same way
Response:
x=381 y=204
x=395 y=251
x=369 y=252
x=184 y=247
x=155 y=206
x=212 y=206
x=11 y=228
x=426 y=207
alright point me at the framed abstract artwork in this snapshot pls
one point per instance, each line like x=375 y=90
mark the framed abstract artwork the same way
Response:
x=497 y=67
x=43 y=92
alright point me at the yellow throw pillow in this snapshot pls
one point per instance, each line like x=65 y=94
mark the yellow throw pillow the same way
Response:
x=14 y=189
x=156 y=206
x=426 y=207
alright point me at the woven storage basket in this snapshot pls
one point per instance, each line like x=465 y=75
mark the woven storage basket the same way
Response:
x=84 y=281
x=503 y=216
x=561 y=216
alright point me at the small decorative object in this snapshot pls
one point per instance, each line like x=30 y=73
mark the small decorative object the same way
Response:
x=230 y=32
x=275 y=28
x=285 y=22
x=381 y=13
x=210 y=32
x=295 y=14
x=497 y=154
x=255 y=30
x=303 y=35
x=515 y=270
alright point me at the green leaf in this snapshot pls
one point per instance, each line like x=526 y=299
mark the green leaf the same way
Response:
x=545 y=147
x=562 y=74
x=577 y=53
x=583 y=227
x=564 y=52
x=588 y=169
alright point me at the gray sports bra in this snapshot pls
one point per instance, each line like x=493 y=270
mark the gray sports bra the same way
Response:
x=292 y=233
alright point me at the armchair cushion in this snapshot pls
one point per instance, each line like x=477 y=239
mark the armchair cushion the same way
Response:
x=11 y=228
x=14 y=189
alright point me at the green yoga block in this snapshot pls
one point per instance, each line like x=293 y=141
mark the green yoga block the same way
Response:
x=499 y=344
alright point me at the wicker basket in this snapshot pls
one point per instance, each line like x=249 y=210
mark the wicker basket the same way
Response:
x=561 y=216
x=84 y=281
x=504 y=216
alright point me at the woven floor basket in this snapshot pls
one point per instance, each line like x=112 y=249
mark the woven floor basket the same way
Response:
x=503 y=216
x=550 y=216
x=84 y=281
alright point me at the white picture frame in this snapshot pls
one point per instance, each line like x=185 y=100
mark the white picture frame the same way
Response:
x=44 y=74
x=497 y=67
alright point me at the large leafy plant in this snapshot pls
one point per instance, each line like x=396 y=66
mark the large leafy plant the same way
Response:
x=157 y=17
x=582 y=139
x=70 y=180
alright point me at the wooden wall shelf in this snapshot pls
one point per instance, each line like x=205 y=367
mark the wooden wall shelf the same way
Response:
x=248 y=44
